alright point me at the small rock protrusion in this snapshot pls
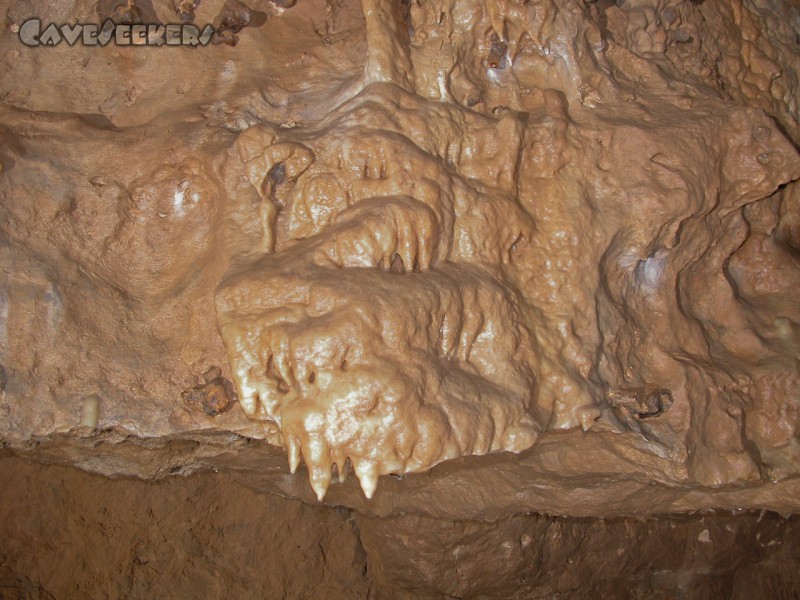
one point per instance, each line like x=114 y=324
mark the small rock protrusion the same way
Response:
x=642 y=403
x=126 y=12
x=210 y=375
x=235 y=16
x=121 y=12
x=215 y=394
x=185 y=9
x=497 y=53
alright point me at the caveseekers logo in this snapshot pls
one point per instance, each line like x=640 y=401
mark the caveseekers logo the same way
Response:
x=31 y=33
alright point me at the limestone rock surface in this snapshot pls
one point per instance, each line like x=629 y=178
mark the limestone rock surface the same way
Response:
x=489 y=257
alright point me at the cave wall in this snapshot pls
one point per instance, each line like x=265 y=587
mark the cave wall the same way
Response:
x=387 y=236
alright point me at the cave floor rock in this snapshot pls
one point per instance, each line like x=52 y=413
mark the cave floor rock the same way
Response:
x=65 y=533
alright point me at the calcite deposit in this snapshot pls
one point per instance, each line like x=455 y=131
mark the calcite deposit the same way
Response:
x=551 y=246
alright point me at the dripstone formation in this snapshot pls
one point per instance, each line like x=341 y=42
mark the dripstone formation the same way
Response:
x=523 y=256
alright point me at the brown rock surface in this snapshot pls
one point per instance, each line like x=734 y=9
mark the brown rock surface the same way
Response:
x=411 y=234
x=69 y=534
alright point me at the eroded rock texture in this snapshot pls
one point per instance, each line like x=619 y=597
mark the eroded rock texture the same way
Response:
x=207 y=537
x=388 y=234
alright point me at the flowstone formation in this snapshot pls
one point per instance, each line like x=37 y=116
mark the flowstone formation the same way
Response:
x=397 y=318
x=383 y=325
x=384 y=235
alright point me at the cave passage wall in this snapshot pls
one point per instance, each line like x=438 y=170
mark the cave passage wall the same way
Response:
x=438 y=245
